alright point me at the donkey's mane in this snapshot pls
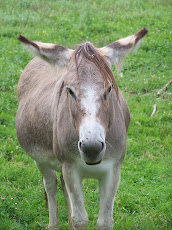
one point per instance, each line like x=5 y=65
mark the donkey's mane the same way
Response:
x=88 y=51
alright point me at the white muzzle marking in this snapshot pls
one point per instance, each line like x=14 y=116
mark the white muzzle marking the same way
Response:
x=92 y=145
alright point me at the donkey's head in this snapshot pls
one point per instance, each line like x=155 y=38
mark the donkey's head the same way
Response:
x=90 y=84
x=90 y=87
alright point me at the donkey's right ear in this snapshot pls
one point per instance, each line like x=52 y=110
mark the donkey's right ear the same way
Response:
x=57 y=55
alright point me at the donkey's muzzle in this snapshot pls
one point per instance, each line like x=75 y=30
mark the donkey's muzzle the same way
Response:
x=91 y=151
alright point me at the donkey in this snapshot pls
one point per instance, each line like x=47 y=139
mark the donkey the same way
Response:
x=73 y=119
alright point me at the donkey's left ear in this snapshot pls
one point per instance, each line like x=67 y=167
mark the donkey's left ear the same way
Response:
x=118 y=50
x=57 y=55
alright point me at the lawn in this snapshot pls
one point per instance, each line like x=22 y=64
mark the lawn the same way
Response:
x=144 y=197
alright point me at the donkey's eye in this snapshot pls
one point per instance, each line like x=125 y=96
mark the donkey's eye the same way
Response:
x=72 y=94
x=105 y=94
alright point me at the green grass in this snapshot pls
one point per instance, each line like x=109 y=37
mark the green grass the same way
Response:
x=144 y=198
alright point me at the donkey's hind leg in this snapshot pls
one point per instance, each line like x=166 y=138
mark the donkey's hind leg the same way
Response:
x=67 y=202
x=50 y=184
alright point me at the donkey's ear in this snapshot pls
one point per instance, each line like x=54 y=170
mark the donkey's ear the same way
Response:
x=117 y=51
x=57 y=55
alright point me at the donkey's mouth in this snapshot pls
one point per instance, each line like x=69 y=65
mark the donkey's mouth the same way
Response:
x=94 y=163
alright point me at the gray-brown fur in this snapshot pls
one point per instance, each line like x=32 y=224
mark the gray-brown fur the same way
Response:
x=50 y=121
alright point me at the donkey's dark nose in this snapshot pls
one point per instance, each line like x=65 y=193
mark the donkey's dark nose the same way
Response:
x=91 y=150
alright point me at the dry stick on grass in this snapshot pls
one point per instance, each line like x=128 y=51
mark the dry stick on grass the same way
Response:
x=154 y=110
x=163 y=88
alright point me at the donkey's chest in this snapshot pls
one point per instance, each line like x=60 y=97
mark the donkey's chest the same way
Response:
x=94 y=171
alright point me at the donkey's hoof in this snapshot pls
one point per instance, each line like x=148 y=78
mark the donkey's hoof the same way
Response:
x=80 y=224
x=105 y=224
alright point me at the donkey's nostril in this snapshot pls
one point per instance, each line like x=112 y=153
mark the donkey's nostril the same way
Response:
x=102 y=145
x=80 y=144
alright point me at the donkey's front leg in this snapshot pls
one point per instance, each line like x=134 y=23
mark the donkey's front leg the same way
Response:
x=108 y=187
x=67 y=202
x=73 y=182
x=50 y=184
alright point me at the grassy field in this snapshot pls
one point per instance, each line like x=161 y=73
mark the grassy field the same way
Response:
x=144 y=198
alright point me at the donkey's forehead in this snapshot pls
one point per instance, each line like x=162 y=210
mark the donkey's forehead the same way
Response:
x=89 y=66
x=90 y=100
x=85 y=71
